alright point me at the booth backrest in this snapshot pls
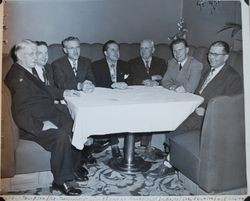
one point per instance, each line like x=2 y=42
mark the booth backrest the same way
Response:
x=222 y=146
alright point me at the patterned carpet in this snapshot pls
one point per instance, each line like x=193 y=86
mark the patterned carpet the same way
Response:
x=104 y=181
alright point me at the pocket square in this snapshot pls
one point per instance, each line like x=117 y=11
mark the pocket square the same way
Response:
x=125 y=76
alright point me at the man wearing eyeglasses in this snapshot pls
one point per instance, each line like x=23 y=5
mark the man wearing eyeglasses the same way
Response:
x=220 y=79
x=184 y=72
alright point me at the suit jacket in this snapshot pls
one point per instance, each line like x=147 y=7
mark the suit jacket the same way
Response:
x=32 y=101
x=227 y=82
x=188 y=77
x=138 y=72
x=56 y=93
x=102 y=74
x=64 y=76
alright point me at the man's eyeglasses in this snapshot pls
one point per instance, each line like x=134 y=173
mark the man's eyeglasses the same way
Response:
x=215 y=54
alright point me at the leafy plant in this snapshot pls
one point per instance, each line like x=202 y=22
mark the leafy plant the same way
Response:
x=182 y=27
x=236 y=28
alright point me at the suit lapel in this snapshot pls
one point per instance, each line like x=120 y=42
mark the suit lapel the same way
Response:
x=106 y=70
x=33 y=79
x=216 y=82
x=68 y=66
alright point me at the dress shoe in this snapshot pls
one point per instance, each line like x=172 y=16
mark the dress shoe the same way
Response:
x=116 y=152
x=87 y=157
x=66 y=189
x=166 y=148
x=82 y=170
x=88 y=160
x=80 y=176
x=101 y=145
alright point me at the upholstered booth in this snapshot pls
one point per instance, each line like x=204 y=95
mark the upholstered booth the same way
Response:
x=215 y=158
x=21 y=156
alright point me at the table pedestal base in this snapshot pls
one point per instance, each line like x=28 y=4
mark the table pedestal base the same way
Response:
x=129 y=163
x=138 y=165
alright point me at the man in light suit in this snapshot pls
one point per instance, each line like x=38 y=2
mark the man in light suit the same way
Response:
x=73 y=71
x=147 y=69
x=184 y=72
x=221 y=79
x=38 y=119
x=111 y=72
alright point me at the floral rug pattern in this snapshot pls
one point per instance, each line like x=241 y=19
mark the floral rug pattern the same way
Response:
x=104 y=181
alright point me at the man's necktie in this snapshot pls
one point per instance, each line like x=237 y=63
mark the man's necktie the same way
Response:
x=147 y=66
x=45 y=77
x=34 y=72
x=209 y=78
x=113 y=72
x=74 y=68
x=180 y=67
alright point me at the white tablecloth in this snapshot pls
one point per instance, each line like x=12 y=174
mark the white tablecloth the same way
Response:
x=136 y=109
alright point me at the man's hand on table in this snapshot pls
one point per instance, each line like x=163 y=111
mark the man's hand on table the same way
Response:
x=156 y=77
x=200 y=111
x=48 y=125
x=87 y=86
x=180 y=89
x=119 y=85
x=150 y=83
x=71 y=93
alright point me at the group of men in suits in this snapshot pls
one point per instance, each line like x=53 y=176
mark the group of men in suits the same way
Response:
x=38 y=90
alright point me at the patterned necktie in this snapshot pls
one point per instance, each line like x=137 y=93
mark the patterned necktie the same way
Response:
x=45 y=77
x=147 y=66
x=209 y=78
x=113 y=72
x=74 y=68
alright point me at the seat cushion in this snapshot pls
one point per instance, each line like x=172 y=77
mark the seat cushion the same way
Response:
x=31 y=157
x=184 y=153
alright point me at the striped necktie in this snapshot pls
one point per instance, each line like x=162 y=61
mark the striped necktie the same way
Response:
x=209 y=78
x=147 y=66
x=45 y=77
x=113 y=72
x=74 y=68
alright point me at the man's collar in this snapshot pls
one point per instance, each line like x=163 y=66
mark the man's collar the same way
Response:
x=149 y=59
x=183 y=62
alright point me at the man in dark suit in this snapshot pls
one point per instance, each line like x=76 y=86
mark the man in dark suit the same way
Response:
x=38 y=119
x=184 y=72
x=111 y=72
x=146 y=70
x=221 y=79
x=73 y=71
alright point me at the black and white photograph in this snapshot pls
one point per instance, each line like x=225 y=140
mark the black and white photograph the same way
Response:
x=125 y=99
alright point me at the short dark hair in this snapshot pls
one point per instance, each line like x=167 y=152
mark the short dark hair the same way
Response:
x=70 y=38
x=177 y=41
x=219 y=43
x=106 y=45
x=39 y=43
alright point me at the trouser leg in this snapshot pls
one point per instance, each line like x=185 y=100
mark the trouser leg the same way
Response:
x=57 y=141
